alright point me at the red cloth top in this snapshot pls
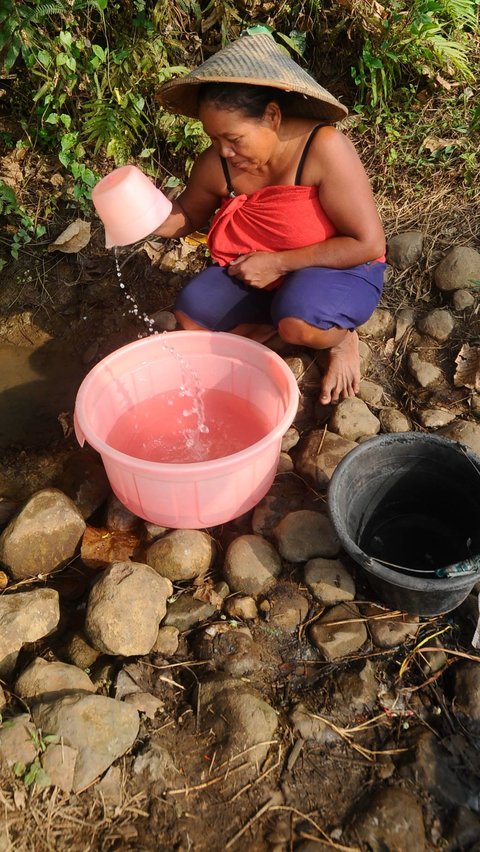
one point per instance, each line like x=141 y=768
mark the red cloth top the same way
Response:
x=275 y=218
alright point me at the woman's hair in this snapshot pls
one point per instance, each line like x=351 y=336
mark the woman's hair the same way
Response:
x=251 y=100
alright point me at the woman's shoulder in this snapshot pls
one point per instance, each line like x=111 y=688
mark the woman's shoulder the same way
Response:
x=329 y=150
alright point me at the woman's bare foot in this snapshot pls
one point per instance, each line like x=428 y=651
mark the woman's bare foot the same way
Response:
x=342 y=376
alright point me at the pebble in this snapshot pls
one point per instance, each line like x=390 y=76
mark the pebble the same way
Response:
x=458 y=270
x=405 y=249
x=391 y=819
x=370 y=393
x=240 y=606
x=304 y=534
x=285 y=463
x=352 y=419
x=438 y=324
x=365 y=354
x=389 y=632
x=110 y=787
x=286 y=493
x=475 y=404
x=125 y=607
x=380 y=325
x=462 y=299
x=424 y=372
x=79 y=651
x=182 y=554
x=404 y=320
x=306 y=373
x=164 y=320
x=43 y=536
x=186 y=612
x=288 y=607
x=166 y=642
x=464 y=431
x=434 y=418
x=25 y=618
x=329 y=581
x=339 y=640
x=319 y=454
x=394 y=420
x=46 y=681
x=251 y=564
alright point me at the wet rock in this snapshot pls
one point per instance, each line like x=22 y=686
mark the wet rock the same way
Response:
x=393 y=420
x=146 y=703
x=156 y=765
x=380 y=325
x=288 y=607
x=79 y=652
x=392 y=819
x=302 y=535
x=125 y=607
x=463 y=299
x=403 y=250
x=242 y=722
x=405 y=319
x=356 y=690
x=17 y=741
x=58 y=761
x=309 y=727
x=352 y=419
x=329 y=581
x=84 y=480
x=43 y=536
x=370 y=393
x=464 y=431
x=459 y=269
x=44 y=681
x=101 y=728
x=285 y=494
x=26 y=617
x=446 y=770
x=467 y=690
x=118 y=517
x=290 y=439
x=166 y=642
x=306 y=373
x=389 y=632
x=319 y=454
x=438 y=324
x=242 y=607
x=188 y=611
x=251 y=564
x=424 y=372
x=182 y=554
x=339 y=632
x=434 y=418
x=229 y=649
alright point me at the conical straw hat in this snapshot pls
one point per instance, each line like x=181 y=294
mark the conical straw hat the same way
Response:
x=258 y=60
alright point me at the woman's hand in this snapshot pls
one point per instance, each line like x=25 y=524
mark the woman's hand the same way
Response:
x=257 y=269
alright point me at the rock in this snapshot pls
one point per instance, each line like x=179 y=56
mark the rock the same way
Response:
x=434 y=418
x=309 y=727
x=424 y=372
x=58 y=761
x=392 y=819
x=164 y=320
x=8 y=508
x=286 y=493
x=3 y=700
x=380 y=326
x=339 y=639
x=154 y=531
x=166 y=642
x=290 y=439
x=305 y=415
x=242 y=607
x=125 y=607
x=356 y=690
x=251 y=564
x=365 y=354
x=319 y=453
x=459 y=269
x=187 y=611
x=306 y=373
x=390 y=632
x=305 y=534
x=182 y=554
x=370 y=393
x=242 y=722
x=404 y=321
x=101 y=728
x=467 y=690
x=464 y=431
x=403 y=250
x=393 y=420
x=128 y=680
x=285 y=463
x=463 y=299
x=84 y=480
x=475 y=404
x=436 y=769
x=43 y=536
x=438 y=324
x=44 y=681
x=145 y=703
x=110 y=787
x=288 y=607
x=352 y=419
x=156 y=765
x=79 y=652
x=26 y=617
x=119 y=518
x=329 y=582
x=17 y=741
x=463 y=831
x=229 y=649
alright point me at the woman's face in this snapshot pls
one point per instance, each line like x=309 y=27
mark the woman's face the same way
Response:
x=247 y=143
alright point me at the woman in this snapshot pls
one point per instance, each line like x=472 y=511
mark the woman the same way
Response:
x=297 y=240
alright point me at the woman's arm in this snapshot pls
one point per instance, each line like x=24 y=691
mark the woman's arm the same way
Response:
x=195 y=206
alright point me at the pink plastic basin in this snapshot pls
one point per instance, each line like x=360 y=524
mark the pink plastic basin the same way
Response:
x=200 y=494
x=129 y=205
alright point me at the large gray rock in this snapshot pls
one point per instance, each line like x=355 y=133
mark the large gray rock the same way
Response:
x=182 y=554
x=403 y=250
x=251 y=564
x=17 y=743
x=426 y=373
x=101 y=728
x=389 y=632
x=305 y=534
x=26 y=617
x=380 y=325
x=43 y=536
x=394 y=420
x=125 y=607
x=459 y=269
x=339 y=632
x=44 y=681
x=438 y=324
x=352 y=419
x=319 y=454
x=329 y=581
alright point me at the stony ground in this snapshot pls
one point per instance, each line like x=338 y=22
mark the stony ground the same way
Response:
x=239 y=687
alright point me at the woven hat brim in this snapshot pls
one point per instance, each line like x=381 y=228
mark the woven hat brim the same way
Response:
x=256 y=60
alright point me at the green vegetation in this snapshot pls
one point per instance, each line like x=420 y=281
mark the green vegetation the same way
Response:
x=81 y=76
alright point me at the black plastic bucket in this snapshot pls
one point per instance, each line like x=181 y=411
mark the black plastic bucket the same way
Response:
x=404 y=506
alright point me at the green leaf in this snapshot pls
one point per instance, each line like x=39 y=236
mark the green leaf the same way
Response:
x=65 y=37
x=99 y=52
x=66 y=120
x=44 y=58
x=71 y=63
x=52 y=118
x=19 y=768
